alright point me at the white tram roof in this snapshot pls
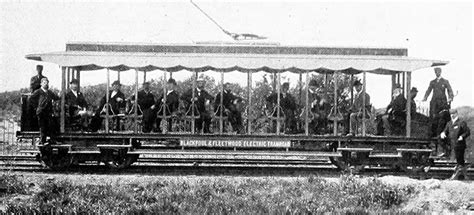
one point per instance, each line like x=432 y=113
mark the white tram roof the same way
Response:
x=234 y=57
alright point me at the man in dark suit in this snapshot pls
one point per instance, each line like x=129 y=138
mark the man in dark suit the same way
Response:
x=42 y=101
x=229 y=101
x=202 y=99
x=168 y=108
x=116 y=105
x=35 y=82
x=76 y=105
x=355 y=112
x=319 y=107
x=395 y=114
x=146 y=100
x=287 y=104
x=439 y=86
x=457 y=132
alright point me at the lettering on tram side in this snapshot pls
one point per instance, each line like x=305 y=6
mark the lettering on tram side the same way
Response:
x=236 y=143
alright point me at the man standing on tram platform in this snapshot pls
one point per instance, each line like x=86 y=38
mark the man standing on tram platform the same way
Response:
x=202 y=99
x=230 y=102
x=35 y=82
x=357 y=108
x=42 y=101
x=439 y=86
x=456 y=131
x=170 y=107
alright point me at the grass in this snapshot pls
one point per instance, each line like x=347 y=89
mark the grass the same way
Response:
x=11 y=184
x=349 y=194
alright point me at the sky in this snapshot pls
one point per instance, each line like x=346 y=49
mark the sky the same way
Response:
x=430 y=30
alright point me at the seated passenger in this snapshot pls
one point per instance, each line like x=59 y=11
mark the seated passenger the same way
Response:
x=76 y=105
x=202 y=100
x=395 y=114
x=146 y=100
x=357 y=108
x=230 y=101
x=172 y=104
x=319 y=109
x=116 y=106
x=288 y=106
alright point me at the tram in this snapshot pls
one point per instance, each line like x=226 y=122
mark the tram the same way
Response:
x=119 y=149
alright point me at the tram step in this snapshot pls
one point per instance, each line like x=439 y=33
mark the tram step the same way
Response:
x=380 y=155
x=29 y=151
x=113 y=146
x=355 y=149
x=414 y=150
x=84 y=152
x=236 y=153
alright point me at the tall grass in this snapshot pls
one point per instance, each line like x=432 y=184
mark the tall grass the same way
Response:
x=222 y=196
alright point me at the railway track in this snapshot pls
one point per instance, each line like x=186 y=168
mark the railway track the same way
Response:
x=231 y=167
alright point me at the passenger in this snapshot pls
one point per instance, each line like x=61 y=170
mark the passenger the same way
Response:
x=35 y=82
x=355 y=112
x=202 y=100
x=395 y=115
x=116 y=104
x=230 y=101
x=319 y=108
x=76 y=105
x=172 y=104
x=456 y=131
x=288 y=106
x=146 y=100
x=42 y=101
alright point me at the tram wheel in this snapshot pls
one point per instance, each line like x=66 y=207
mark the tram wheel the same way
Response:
x=121 y=161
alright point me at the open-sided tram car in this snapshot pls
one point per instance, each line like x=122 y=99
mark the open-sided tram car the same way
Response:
x=122 y=148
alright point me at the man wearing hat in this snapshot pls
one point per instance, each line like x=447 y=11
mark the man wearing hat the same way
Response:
x=287 y=104
x=42 y=102
x=116 y=103
x=230 y=102
x=456 y=131
x=168 y=108
x=395 y=115
x=76 y=104
x=355 y=112
x=146 y=100
x=202 y=99
x=35 y=82
x=439 y=86
x=319 y=109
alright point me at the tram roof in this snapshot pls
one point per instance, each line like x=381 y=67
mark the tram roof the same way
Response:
x=234 y=57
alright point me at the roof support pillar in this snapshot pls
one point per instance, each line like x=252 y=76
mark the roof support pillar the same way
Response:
x=364 y=103
x=107 y=95
x=165 y=106
x=408 y=108
x=193 y=121
x=221 y=102
x=249 y=99
x=62 y=116
x=135 y=104
x=306 y=115
x=278 y=85
x=335 y=79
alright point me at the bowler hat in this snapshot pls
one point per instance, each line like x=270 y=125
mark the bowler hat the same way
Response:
x=172 y=81
x=74 y=81
x=414 y=90
x=313 y=83
x=116 y=83
x=357 y=83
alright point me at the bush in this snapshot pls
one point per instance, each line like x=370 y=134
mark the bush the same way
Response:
x=11 y=184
